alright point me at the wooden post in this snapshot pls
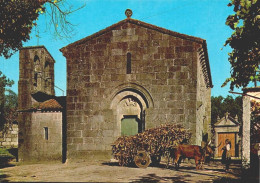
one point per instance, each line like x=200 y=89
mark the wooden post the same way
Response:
x=246 y=133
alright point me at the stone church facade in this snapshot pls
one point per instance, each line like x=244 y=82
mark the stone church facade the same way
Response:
x=122 y=80
x=133 y=76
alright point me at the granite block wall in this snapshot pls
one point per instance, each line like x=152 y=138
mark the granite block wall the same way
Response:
x=163 y=82
x=9 y=138
x=36 y=74
x=37 y=145
x=203 y=108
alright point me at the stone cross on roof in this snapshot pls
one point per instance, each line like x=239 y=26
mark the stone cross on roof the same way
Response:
x=226 y=115
x=128 y=13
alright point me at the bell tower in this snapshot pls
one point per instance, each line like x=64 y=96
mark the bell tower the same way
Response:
x=35 y=87
x=36 y=74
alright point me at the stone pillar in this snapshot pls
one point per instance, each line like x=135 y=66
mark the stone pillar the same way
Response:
x=246 y=133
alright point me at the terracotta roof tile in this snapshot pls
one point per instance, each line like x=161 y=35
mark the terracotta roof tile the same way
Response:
x=50 y=104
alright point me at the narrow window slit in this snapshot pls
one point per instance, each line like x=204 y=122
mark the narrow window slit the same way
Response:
x=46 y=133
x=128 y=63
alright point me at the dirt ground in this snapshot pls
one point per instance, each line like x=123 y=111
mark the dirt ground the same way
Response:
x=102 y=171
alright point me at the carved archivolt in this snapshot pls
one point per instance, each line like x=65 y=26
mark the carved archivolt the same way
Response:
x=134 y=90
x=130 y=100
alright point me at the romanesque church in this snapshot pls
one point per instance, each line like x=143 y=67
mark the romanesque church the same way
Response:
x=122 y=80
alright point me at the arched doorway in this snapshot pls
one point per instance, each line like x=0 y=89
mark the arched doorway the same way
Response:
x=129 y=107
x=130 y=113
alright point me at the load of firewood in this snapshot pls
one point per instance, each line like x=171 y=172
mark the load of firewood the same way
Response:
x=149 y=145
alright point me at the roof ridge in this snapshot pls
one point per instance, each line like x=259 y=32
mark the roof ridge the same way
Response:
x=140 y=23
x=198 y=40
x=50 y=104
x=229 y=117
x=36 y=47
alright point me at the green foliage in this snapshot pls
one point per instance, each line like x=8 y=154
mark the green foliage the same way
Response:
x=10 y=110
x=18 y=17
x=216 y=108
x=234 y=106
x=221 y=105
x=245 y=42
x=5 y=156
x=4 y=82
x=11 y=100
x=5 y=153
x=8 y=101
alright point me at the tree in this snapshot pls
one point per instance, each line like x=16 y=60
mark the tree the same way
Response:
x=18 y=17
x=10 y=110
x=221 y=105
x=216 y=108
x=4 y=83
x=233 y=106
x=245 y=43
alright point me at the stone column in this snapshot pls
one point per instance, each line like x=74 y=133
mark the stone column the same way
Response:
x=246 y=133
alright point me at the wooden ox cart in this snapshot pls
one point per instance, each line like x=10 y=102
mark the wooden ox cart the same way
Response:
x=149 y=146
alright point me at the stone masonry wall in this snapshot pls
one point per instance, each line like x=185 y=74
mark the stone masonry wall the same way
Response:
x=9 y=138
x=26 y=86
x=37 y=146
x=164 y=66
x=24 y=130
x=27 y=70
x=203 y=107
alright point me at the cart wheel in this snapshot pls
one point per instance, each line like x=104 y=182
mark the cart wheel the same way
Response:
x=156 y=160
x=142 y=159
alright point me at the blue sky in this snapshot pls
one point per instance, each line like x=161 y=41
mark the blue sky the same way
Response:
x=200 y=18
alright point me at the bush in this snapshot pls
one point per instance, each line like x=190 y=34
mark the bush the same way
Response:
x=5 y=156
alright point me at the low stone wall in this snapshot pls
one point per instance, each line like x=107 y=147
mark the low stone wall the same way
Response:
x=9 y=138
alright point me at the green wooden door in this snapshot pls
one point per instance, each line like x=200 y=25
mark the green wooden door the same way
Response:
x=129 y=126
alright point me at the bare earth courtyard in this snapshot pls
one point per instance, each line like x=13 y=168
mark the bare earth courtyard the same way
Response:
x=101 y=171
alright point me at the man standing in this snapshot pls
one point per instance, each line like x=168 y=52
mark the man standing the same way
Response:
x=226 y=156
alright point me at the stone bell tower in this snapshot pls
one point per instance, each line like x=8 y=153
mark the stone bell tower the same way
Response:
x=40 y=116
x=36 y=67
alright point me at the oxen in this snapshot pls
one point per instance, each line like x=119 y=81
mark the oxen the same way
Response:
x=191 y=152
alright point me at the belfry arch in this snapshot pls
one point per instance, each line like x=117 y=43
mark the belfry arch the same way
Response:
x=129 y=106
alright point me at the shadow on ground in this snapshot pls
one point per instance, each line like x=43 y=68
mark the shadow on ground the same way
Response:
x=3 y=177
x=117 y=164
x=213 y=171
x=110 y=163
x=14 y=152
x=241 y=180
x=153 y=178
x=5 y=165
